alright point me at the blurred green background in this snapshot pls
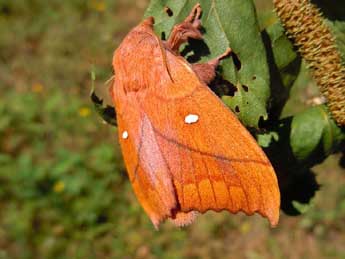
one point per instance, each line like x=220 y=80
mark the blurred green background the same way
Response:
x=64 y=192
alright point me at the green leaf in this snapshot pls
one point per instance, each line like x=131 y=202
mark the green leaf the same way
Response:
x=227 y=24
x=281 y=46
x=284 y=66
x=265 y=139
x=311 y=129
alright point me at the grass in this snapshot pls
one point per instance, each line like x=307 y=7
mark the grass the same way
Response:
x=64 y=191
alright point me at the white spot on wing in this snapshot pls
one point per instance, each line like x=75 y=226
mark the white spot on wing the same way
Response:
x=125 y=134
x=191 y=118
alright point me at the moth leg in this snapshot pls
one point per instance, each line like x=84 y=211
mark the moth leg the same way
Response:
x=207 y=71
x=189 y=28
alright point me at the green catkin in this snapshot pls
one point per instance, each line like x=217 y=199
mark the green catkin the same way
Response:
x=306 y=26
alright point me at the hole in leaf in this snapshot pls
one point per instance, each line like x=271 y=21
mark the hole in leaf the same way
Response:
x=222 y=87
x=107 y=112
x=168 y=11
x=254 y=77
x=163 y=36
x=237 y=109
x=245 y=88
x=194 y=50
x=232 y=89
x=262 y=122
x=237 y=61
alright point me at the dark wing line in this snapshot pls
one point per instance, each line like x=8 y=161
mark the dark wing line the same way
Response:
x=139 y=151
x=236 y=160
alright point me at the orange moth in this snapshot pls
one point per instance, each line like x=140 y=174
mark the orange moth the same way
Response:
x=184 y=150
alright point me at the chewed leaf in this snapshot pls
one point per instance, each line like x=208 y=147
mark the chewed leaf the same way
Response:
x=106 y=112
x=312 y=129
x=226 y=24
